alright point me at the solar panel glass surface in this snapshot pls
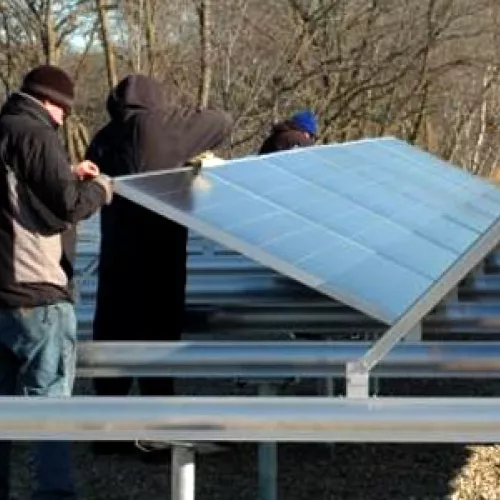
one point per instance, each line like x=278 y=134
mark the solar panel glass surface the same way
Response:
x=372 y=223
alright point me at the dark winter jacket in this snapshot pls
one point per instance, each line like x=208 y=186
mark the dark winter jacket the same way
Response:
x=285 y=135
x=142 y=269
x=40 y=200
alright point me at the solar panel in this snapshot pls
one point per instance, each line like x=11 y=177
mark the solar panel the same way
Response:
x=373 y=223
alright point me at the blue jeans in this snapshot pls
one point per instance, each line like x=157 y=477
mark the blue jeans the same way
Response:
x=37 y=358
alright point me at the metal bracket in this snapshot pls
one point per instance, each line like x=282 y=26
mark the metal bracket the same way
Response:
x=357 y=380
x=268 y=456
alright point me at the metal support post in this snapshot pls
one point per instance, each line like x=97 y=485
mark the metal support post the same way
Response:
x=357 y=380
x=183 y=472
x=326 y=386
x=330 y=387
x=329 y=383
x=268 y=457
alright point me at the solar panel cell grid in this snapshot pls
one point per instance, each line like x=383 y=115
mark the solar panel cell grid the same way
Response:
x=372 y=223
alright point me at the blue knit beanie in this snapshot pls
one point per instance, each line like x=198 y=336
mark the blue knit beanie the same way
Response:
x=306 y=120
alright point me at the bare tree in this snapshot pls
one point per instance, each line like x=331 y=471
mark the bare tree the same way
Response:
x=204 y=12
x=106 y=43
x=150 y=35
x=424 y=71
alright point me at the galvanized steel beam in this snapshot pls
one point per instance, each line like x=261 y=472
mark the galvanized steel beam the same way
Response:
x=255 y=419
x=283 y=359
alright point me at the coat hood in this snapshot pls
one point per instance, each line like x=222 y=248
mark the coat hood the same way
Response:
x=285 y=126
x=134 y=92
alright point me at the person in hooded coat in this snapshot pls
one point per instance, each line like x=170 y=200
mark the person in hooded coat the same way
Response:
x=142 y=267
x=299 y=131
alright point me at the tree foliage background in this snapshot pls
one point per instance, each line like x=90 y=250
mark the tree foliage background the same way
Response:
x=426 y=71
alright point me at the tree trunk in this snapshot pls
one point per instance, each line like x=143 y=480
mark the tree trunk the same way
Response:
x=150 y=36
x=106 y=44
x=206 y=52
x=49 y=35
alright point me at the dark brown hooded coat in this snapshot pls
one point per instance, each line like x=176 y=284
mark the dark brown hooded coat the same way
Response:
x=285 y=135
x=142 y=270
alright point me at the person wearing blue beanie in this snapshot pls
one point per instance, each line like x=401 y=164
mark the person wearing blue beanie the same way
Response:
x=306 y=121
x=300 y=130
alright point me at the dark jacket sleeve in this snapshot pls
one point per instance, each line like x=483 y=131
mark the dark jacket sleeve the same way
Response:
x=168 y=139
x=48 y=175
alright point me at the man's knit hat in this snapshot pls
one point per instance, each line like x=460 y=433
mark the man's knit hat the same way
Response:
x=51 y=83
x=306 y=120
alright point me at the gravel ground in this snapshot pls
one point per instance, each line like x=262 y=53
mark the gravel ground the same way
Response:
x=306 y=471
x=350 y=472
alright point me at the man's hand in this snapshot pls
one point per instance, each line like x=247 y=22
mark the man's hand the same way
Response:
x=85 y=170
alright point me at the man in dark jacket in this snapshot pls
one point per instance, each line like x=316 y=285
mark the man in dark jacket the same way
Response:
x=297 y=132
x=142 y=267
x=41 y=198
